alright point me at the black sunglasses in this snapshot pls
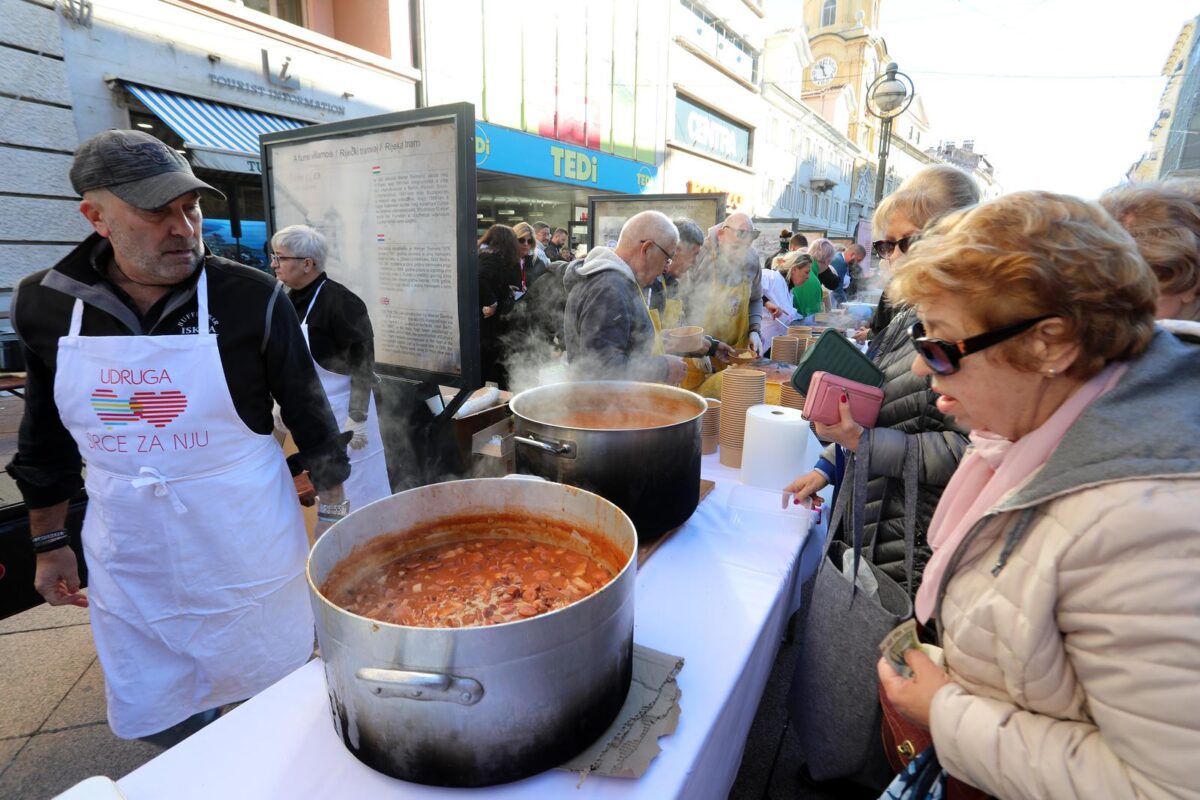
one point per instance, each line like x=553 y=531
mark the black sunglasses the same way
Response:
x=885 y=247
x=943 y=355
x=524 y=240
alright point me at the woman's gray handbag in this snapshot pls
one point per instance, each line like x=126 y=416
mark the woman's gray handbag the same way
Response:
x=834 y=697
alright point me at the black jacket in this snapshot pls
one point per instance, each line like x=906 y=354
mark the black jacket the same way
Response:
x=258 y=336
x=909 y=415
x=340 y=337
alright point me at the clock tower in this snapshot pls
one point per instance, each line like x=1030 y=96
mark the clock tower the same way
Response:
x=848 y=54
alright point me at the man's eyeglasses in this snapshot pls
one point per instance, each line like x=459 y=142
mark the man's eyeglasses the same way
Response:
x=744 y=233
x=943 y=356
x=660 y=247
x=276 y=257
x=885 y=247
x=524 y=240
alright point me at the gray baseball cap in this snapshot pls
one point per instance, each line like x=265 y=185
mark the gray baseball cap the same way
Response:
x=136 y=167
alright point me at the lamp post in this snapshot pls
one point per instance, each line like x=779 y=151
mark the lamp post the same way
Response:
x=887 y=98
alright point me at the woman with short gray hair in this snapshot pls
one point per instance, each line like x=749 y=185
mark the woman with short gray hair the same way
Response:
x=342 y=345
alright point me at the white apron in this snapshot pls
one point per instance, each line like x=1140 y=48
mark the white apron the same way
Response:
x=194 y=541
x=368 y=479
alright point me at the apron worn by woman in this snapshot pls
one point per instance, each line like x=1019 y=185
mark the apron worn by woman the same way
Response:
x=194 y=540
x=368 y=479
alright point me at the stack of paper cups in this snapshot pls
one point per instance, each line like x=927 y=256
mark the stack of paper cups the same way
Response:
x=799 y=331
x=785 y=349
x=710 y=427
x=789 y=397
x=740 y=389
x=776 y=447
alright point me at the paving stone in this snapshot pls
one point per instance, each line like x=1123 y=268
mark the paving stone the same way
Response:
x=44 y=616
x=54 y=762
x=37 y=670
x=9 y=749
x=84 y=705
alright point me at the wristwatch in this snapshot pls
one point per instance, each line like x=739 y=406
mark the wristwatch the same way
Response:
x=332 y=512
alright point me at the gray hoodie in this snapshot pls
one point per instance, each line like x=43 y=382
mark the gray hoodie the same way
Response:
x=608 y=332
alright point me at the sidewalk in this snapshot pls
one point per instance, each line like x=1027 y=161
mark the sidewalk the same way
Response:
x=53 y=732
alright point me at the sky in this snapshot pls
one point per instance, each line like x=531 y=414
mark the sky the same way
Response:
x=1059 y=94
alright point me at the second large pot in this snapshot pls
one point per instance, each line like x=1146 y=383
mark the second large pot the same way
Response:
x=636 y=444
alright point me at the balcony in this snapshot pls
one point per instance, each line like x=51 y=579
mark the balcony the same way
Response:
x=823 y=178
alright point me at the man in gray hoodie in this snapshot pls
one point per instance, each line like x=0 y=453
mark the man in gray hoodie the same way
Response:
x=608 y=331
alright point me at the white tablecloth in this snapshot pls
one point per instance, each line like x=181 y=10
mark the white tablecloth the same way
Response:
x=718 y=593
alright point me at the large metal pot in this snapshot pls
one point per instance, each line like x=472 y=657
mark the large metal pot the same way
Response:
x=484 y=705
x=652 y=471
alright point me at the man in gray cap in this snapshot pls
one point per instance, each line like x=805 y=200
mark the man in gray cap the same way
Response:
x=156 y=364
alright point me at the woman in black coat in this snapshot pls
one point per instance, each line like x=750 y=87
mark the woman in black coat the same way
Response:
x=499 y=274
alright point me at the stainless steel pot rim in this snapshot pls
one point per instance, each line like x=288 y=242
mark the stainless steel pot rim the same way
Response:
x=630 y=562
x=702 y=406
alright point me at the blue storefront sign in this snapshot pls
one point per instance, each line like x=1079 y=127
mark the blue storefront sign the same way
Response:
x=513 y=152
x=698 y=127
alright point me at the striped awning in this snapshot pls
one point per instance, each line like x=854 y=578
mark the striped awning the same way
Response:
x=217 y=136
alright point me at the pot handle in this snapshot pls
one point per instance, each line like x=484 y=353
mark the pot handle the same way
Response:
x=554 y=447
x=410 y=685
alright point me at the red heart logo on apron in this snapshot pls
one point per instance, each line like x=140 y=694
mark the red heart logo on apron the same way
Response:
x=158 y=408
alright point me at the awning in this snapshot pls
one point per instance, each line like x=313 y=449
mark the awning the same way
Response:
x=217 y=136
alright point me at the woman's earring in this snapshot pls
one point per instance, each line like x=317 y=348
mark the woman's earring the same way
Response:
x=1052 y=373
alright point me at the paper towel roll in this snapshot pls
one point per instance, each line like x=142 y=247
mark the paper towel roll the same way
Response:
x=776 y=448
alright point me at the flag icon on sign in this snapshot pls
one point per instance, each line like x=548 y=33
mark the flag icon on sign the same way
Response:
x=376 y=170
x=379 y=237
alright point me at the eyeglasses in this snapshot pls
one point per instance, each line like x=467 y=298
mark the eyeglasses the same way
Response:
x=943 y=356
x=524 y=240
x=660 y=247
x=885 y=247
x=276 y=257
x=743 y=233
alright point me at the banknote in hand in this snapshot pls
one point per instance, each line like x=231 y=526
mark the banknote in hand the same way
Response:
x=900 y=640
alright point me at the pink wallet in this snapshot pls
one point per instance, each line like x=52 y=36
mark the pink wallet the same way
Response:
x=825 y=392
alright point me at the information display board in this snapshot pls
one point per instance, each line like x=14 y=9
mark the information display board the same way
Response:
x=394 y=195
x=607 y=213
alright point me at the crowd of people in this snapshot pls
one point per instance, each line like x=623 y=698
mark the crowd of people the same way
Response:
x=1037 y=447
x=1037 y=444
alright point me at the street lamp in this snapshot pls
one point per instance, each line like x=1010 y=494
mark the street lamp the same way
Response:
x=887 y=98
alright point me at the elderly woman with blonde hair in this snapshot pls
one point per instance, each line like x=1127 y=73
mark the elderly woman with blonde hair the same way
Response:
x=1164 y=220
x=1066 y=549
x=909 y=417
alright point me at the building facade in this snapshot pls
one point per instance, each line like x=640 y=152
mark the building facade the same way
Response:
x=206 y=76
x=1174 y=148
x=806 y=164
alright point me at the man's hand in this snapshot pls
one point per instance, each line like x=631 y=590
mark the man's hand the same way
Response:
x=490 y=310
x=57 y=578
x=676 y=370
x=913 y=696
x=846 y=432
x=756 y=343
x=772 y=308
x=305 y=491
x=807 y=485
x=862 y=334
x=725 y=352
x=359 y=430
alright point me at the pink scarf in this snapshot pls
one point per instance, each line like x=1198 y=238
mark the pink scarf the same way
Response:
x=993 y=468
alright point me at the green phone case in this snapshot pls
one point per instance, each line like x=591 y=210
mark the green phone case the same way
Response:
x=834 y=353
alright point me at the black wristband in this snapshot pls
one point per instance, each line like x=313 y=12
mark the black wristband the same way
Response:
x=53 y=540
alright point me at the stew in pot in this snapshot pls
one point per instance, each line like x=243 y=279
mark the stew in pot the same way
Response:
x=458 y=581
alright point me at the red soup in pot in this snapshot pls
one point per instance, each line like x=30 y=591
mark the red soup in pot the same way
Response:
x=472 y=571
